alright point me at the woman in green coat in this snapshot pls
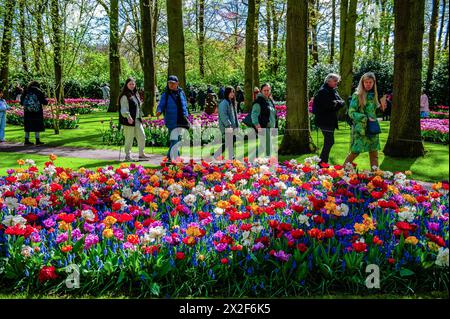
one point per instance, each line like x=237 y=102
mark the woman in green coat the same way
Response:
x=362 y=109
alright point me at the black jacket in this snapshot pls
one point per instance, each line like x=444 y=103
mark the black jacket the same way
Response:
x=133 y=107
x=34 y=121
x=325 y=108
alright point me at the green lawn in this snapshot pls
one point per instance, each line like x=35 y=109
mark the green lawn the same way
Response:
x=87 y=135
x=434 y=166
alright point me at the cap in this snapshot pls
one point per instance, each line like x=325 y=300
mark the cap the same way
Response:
x=172 y=78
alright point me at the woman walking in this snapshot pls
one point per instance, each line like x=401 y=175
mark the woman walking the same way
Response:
x=130 y=117
x=3 y=108
x=365 y=128
x=32 y=100
x=264 y=115
x=228 y=121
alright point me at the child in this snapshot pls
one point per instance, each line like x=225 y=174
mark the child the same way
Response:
x=3 y=108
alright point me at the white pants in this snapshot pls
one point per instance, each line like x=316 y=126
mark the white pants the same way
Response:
x=131 y=132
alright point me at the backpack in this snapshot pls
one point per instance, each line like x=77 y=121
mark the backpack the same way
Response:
x=31 y=103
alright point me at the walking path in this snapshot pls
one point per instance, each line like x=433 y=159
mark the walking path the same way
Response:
x=107 y=155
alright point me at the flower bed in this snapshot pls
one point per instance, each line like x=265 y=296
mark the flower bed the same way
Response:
x=14 y=115
x=74 y=106
x=233 y=229
x=439 y=115
x=435 y=130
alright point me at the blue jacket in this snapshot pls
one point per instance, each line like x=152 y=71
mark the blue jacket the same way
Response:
x=170 y=110
x=3 y=105
x=227 y=116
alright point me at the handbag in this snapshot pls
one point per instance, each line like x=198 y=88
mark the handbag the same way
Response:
x=248 y=120
x=373 y=128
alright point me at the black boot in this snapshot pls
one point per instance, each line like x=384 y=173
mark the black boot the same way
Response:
x=27 y=142
x=38 y=142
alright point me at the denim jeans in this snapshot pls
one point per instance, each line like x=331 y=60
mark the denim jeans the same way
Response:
x=172 y=144
x=2 y=125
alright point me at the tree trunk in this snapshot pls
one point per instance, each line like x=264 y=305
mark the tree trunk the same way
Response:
x=404 y=138
x=114 y=58
x=6 y=45
x=39 y=38
x=386 y=27
x=276 y=27
x=432 y=44
x=57 y=62
x=23 y=49
x=177 y=65
x=256 y=46
x=313 y=31
x=269 y=30
x=249 y=43
x=201 y=38
x=347 y=48
x=297 y=138
x=147 y=48
x=447 y=36
x=333 y=30
x=156 y=13
x=441 y=27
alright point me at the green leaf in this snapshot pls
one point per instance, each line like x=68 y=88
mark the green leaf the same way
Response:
x=121 y=276
x=154 y=288
x=404 y=272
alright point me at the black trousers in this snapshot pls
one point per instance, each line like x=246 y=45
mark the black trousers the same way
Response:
x=328 y=142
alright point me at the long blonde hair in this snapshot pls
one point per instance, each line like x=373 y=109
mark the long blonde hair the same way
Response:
x=362 y=93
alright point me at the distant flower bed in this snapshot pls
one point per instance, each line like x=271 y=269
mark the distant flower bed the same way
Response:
x=438 y=115
x=74 y=106
x=233 y=229
x=440 y=108
x=435 y=130
x=14 y=115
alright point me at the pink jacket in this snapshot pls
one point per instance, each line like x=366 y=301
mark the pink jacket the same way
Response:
x=424 y=105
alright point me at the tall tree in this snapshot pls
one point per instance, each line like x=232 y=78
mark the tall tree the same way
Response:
x=297 y=138
x=57 y=46
x=447 y=36
x=404 y=138
x=333 y=30
x=313 y=21
x=114 y=58
x=386 y=26
x=201 y=38
x=177 y=64
x=6 y=44
x=256 y=46
x=441 y=27
x=276 y=51
x=148 y=54
x=249 y=43
x=269 y=29
x=23 y=49
x=347 y=46
x=156 y=10
x=432 y=44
